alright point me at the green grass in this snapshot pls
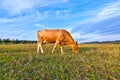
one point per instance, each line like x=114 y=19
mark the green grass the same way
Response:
x=94 y=62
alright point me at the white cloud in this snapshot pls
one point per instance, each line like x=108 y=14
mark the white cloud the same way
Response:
x=76 y=35
x=95 y=37
x=16 y=7
x=98 y=37
x=40 y=25
x=109 y=10
x=101 y=13
x=36 y=16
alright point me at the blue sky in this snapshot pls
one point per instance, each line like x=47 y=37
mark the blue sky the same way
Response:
x=86 y=20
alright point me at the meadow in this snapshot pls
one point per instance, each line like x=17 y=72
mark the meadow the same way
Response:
x=94 y=62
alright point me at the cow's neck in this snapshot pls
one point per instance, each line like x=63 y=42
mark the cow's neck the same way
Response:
x=72 y=41
x=72 y=44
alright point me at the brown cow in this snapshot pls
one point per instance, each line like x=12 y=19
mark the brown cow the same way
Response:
x=56 y=36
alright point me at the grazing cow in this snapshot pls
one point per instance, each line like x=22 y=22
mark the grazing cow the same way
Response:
x=56 y=36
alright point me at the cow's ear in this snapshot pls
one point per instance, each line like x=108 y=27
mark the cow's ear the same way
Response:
x=76 y=42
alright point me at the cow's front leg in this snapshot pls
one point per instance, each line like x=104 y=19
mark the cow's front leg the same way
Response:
x=55 y=45
x=62 y=49
x=41 y=49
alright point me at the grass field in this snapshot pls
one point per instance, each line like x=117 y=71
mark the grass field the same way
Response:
x=94 y=62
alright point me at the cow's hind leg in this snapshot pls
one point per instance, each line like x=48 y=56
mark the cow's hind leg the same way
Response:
x=39 y=46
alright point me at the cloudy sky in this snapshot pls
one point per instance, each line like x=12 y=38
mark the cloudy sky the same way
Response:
x=86 y=20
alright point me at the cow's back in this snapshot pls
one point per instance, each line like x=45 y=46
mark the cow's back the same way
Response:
x=48 y=35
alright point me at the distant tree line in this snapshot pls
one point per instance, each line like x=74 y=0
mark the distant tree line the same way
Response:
x=102 y=42
x=16 y=41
